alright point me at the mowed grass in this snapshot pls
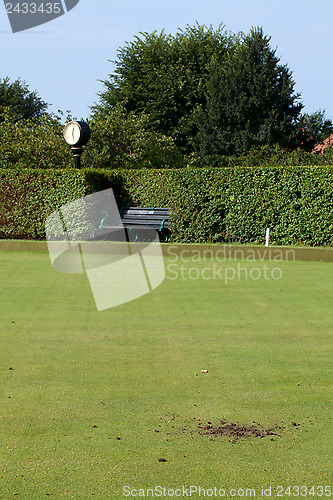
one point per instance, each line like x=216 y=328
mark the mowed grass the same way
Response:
x=84 y=393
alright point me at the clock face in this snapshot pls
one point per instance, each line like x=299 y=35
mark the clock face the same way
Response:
x=72 y=133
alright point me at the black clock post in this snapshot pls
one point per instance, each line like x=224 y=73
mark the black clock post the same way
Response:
x=77 y=153
x=77 y=134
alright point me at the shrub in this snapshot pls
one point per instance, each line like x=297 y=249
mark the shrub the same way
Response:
x=26 y=144
x=208 y=204
x=121 y=140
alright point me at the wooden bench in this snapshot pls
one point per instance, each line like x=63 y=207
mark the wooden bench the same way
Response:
x=135 y=219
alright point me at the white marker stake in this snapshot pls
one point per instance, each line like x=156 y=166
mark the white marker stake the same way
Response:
x=267 y=237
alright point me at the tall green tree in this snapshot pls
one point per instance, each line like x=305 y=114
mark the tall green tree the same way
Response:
x=250 y=101
x=19 y=101
x=214 y=93
x=164 y=77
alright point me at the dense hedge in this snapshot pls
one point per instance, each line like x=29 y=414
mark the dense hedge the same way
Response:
x=209 y=205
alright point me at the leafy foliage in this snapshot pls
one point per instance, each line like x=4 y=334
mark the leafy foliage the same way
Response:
x=21 y=103
x=122 y=140
x=250 y=102
x=28 y=196
x=216 y=94
x=273 y=156
x=164 y=77
x=316 y=128
x=209 y=205
x=33 y=144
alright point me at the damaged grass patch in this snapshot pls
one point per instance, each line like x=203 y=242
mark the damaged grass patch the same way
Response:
x=235 y=431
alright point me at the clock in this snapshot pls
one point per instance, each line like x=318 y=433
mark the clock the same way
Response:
x=76 y=133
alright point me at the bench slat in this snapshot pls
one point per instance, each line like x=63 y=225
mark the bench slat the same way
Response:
x=149 y=211
x=147 y=218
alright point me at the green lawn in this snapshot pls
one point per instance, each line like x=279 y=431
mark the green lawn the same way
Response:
x=75 y=379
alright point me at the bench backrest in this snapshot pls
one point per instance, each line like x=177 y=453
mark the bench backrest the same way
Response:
x=156 y=218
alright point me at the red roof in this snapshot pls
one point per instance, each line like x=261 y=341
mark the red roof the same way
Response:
x=320 y=148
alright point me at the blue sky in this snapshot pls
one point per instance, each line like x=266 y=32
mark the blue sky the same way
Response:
x=65 y=59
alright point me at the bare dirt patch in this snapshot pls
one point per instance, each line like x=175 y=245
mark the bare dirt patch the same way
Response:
x=235 y=431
